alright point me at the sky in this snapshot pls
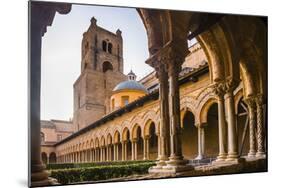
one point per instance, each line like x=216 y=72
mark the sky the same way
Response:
x=61 y=53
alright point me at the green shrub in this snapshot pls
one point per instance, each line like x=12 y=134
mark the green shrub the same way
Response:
x=92 y=164
x=75 y=175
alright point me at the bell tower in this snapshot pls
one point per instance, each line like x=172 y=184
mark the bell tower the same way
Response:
x=101 y=71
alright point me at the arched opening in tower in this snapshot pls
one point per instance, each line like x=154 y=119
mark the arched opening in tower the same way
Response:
x=107 y=66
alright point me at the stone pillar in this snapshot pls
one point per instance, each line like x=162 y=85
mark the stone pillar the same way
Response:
x=133 y=149
x=251 y=103
x=136 y=149
x=176 y=157
x=219 y=91
x=201 y=141
x=260 y=127
x=123 y=150
x=41 y=15
x=232 y=154
x=146 y=148
x=163 y=146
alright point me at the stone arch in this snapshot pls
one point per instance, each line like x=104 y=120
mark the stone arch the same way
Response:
x=135 y=131
x=97 y=143
x=147 y=126
x=116 y=137
x=183 y=112
x=44 y=157
x=52 y=158
x=189 y=135
x=203 y=113
x=107 y=66
x=108 y=139
x=102 y=141
x=126 y=134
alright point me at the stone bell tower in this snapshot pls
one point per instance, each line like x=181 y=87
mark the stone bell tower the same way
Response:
x=101 y=71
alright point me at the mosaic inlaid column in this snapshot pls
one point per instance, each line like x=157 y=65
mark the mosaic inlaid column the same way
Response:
x=260 y=127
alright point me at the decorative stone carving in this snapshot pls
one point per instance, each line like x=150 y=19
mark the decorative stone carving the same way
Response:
x=260 y=126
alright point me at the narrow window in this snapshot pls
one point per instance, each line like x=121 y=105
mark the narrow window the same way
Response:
x=104 y=45
x=109 y=47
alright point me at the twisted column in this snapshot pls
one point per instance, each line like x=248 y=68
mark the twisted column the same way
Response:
x=260 y=127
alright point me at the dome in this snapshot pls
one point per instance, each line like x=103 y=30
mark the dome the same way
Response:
x=131 y=85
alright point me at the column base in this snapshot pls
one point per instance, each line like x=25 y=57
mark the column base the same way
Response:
x=251 y=154
x=261 y=154
x=220 y=157
x=199 y=157
x=170 y=169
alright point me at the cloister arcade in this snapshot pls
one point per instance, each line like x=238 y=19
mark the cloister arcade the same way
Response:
x=236 y=49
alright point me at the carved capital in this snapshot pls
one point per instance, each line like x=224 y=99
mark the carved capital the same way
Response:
x=170 y=54
x=219 y=89
x=231 y=84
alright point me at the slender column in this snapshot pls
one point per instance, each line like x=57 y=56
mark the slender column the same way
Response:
x=260 y=127
x=231 y=122
x=133 y=149
x=251 y=103
x=125 y=150
x=136 y=150
x=163 y=146
x=201 y=141
x=148 y=152
x=176 y=157
x=220 y=92
x=101 y=153
x=144 y=149
x=117 y=152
